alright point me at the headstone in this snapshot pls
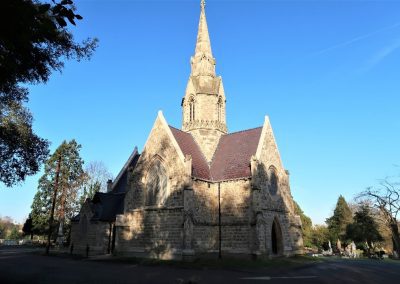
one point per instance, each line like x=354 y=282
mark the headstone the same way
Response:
x=339 y=245
x=353 y=249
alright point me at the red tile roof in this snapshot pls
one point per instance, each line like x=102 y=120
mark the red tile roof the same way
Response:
x=231 y=159
x=189 y=146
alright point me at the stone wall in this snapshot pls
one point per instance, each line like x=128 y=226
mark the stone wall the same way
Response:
x=162 y=146
x=235 y=217
x=89 y=236
x=150 y=232
x=278 y=206
x=187 y=222
x=246 y=220
x=269 y=205
x=96 y=238
x=154 y=230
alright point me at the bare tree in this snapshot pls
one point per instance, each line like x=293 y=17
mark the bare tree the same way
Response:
x=97 y=176
x=386 y=197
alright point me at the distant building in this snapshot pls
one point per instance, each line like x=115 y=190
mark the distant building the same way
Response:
x=196 y=191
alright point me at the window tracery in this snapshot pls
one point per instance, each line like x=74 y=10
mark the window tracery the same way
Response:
x=273 y=181
x=156 y=184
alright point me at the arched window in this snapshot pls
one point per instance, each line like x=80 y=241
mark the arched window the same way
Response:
x=156 y=184
x=191 y=110
x=219 y=109
x=273 y=181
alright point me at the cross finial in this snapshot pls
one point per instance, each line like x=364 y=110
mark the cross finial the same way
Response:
x=203 y=4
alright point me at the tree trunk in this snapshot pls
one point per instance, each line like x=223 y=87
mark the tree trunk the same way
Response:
x=395 y=236
x=60 y=236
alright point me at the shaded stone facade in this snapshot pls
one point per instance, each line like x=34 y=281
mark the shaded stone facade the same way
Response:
x=201 y=190
x=93 y=229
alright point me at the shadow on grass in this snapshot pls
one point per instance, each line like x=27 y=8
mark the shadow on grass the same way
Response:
x=225 y=263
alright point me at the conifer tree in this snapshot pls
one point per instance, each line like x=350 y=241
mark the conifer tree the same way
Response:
x=14 y=234
x=337 y=224
x=364 y=228
x=319 y=236
x=40 y=212
x=306 y=225
x=70 y=180
x=27 y=229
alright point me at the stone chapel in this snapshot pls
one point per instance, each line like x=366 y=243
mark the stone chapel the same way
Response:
x=198 y=190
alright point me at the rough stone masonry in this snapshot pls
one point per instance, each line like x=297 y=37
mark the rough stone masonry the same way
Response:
x=198 y=191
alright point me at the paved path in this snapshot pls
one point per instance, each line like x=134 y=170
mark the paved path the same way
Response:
x=26 y=266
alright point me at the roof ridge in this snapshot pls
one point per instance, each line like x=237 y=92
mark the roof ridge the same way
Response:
x=201 y=152
x=240 y=131
x=180 y=130
x=175 y=128
x=132 y=156
x=212 y=159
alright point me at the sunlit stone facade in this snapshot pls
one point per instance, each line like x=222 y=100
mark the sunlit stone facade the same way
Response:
x=201 y=190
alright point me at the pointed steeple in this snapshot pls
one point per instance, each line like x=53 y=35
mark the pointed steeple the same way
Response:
x=203 y=62
x=204 y=103
x=203 y=44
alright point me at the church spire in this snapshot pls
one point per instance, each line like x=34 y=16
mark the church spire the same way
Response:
x=204 y=102
x=203 y=44
x=203 y=62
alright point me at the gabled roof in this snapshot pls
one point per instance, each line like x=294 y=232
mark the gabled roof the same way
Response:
x=189 y=146
x=104 y=206
x=231 y=159
x=120 y=182
x=107 y=206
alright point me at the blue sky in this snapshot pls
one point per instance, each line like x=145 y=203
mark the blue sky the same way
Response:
x=326 y=72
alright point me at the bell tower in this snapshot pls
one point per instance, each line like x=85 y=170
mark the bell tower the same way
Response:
x=203 y=106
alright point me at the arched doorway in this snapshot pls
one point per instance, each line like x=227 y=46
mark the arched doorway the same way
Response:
x=276 y=238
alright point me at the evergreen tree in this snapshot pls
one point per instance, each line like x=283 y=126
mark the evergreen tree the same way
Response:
x=70 y=181
x=41 y=206
x=3 y=230
x=319 y=236
x=15 y=234
x=306 y=227
x=27 y=229
x=342 y=216
x=364 y=227
x=89 y=190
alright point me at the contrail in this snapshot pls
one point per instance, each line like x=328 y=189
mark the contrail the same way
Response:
x=382 y=54
x=346 y=43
